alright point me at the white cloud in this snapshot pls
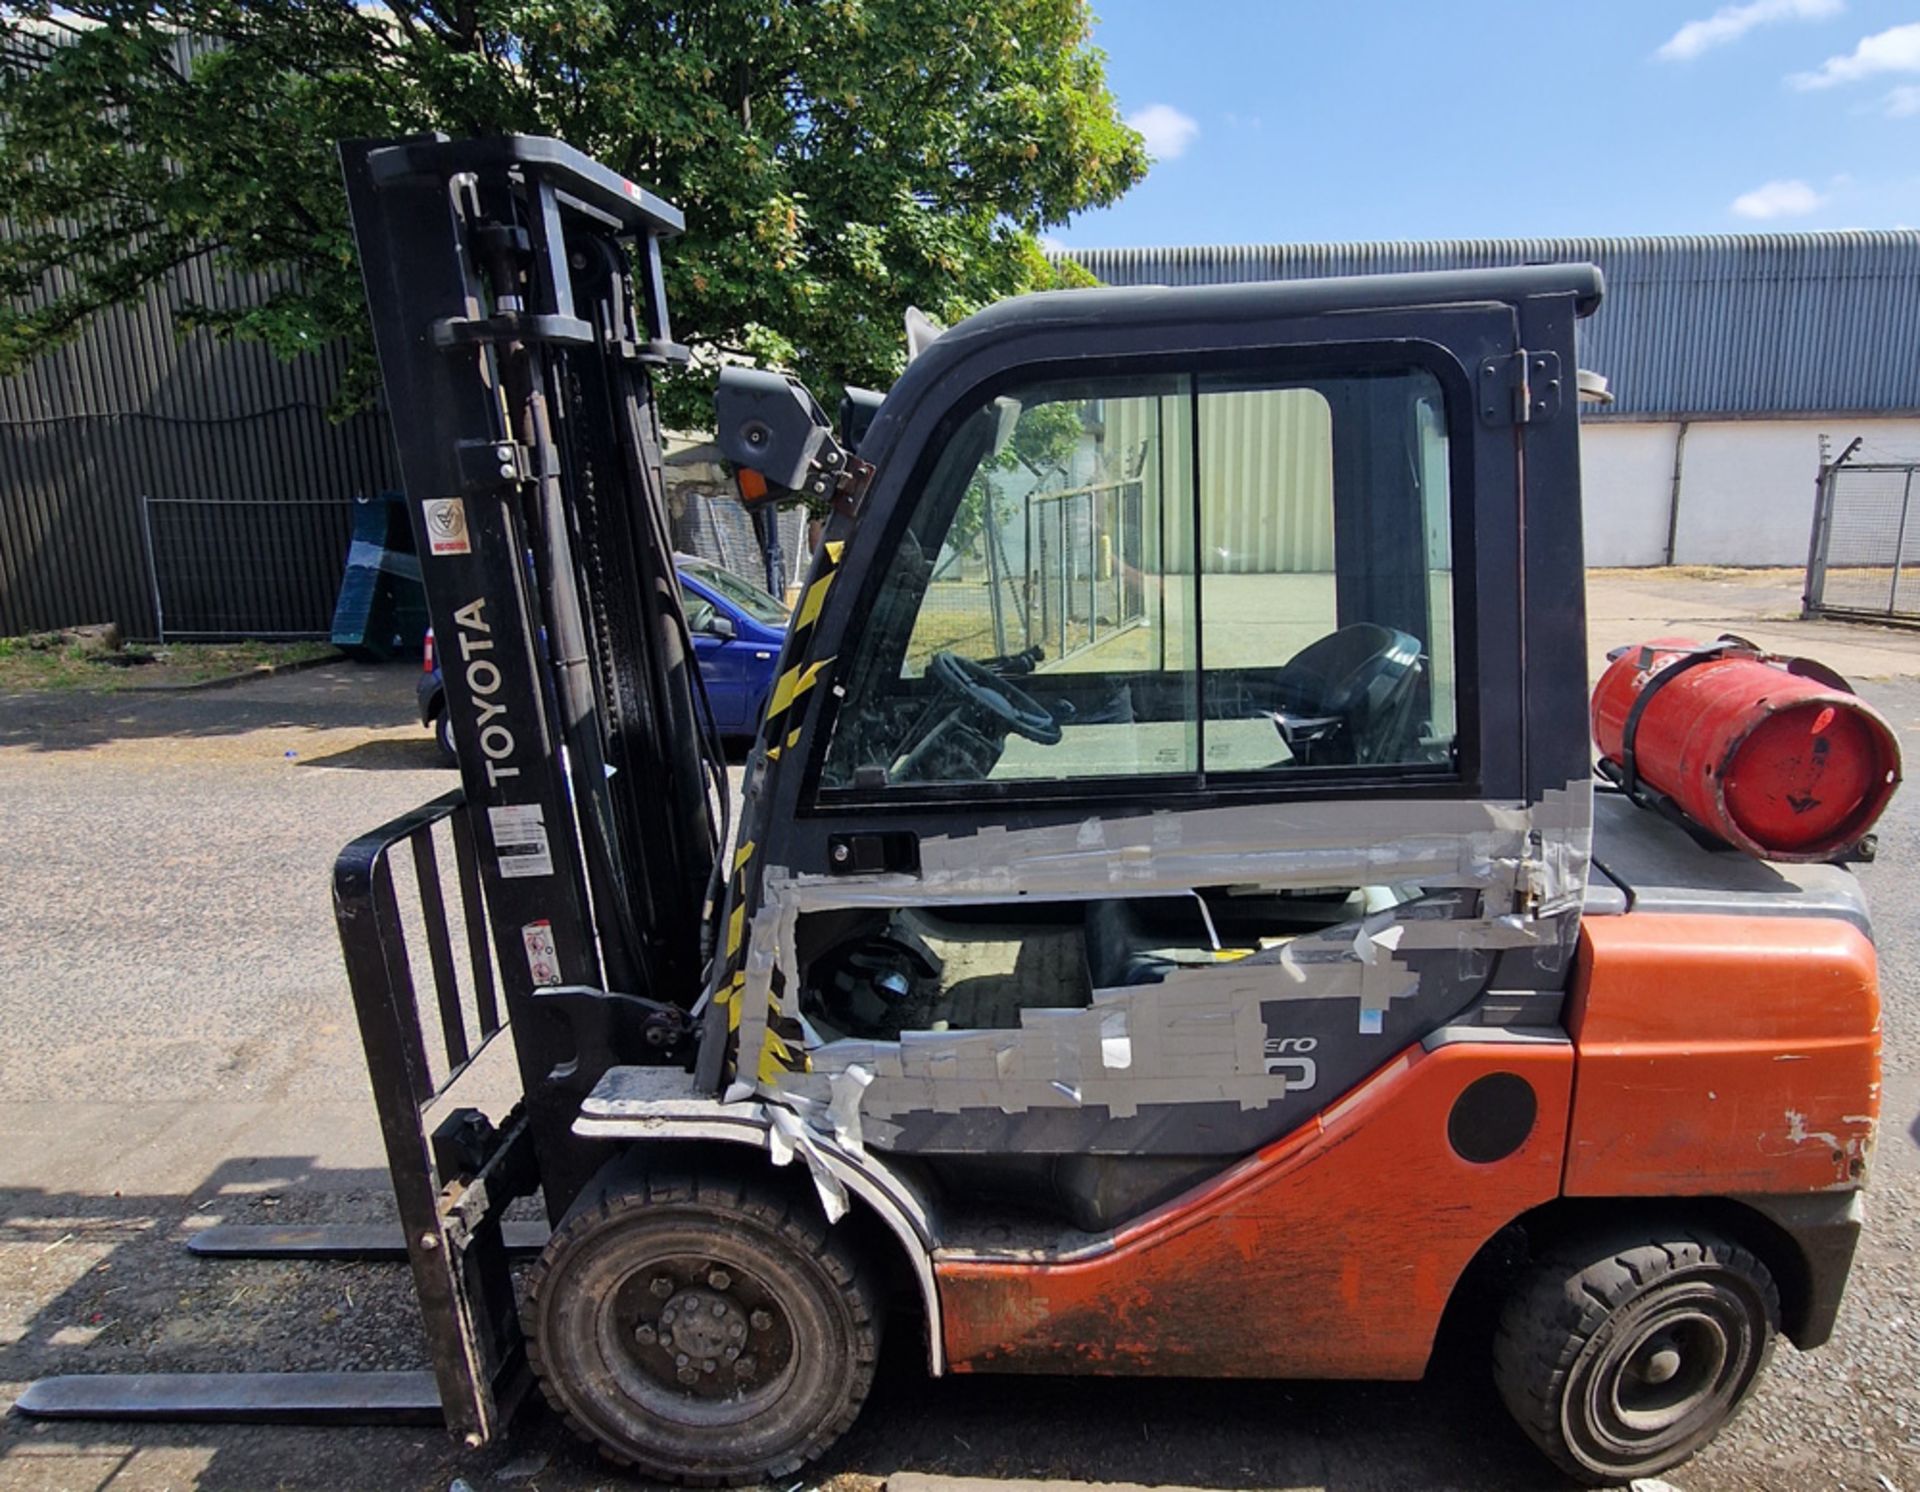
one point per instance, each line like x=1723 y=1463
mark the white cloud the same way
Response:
x=1895 y=50
x=1167 y=131
x=1902 y=102
x=1051 y=245
x=1778 y=199
x=1731 y=22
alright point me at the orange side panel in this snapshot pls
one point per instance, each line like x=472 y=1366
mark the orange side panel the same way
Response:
x=1722 y=1054
x=1330 y=1254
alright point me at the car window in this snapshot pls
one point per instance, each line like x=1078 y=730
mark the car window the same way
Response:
x=1181 y=576
x=743 y=594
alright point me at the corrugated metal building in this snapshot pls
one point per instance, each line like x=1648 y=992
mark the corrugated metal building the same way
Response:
x=1729 y=356
x=252 y=484
x=137 y=460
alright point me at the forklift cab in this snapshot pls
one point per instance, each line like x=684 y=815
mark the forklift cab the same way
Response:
x=1156 y=755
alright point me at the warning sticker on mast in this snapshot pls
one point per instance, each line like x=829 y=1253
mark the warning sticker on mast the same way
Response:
x=520 y=840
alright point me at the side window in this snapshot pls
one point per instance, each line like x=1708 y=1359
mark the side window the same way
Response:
x=1326 y=577
x=1172 y=577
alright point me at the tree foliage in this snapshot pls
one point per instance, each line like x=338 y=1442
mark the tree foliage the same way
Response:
x=837 y=160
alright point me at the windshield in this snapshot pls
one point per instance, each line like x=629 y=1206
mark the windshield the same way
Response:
x=755 y=602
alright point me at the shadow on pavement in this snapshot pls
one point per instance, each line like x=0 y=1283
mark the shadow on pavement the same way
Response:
x=385 y=756
x=338 y=696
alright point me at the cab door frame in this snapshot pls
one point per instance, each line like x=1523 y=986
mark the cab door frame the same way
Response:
x=1519 y=804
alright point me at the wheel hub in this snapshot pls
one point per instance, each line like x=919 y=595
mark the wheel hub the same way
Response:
x=702 y=1325
x=1662 y=1364
x=695 y=1328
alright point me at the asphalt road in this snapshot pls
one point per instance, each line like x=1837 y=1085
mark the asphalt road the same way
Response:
x=178 y=1049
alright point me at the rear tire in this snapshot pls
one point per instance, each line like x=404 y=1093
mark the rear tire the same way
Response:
x=701 y=1331
x=1622 y=1357
x=443 y=734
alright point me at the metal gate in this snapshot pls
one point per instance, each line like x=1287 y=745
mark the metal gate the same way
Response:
x=245 y=567
x=1866 y=542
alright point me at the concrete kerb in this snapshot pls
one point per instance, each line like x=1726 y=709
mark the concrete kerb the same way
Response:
x=227 y=680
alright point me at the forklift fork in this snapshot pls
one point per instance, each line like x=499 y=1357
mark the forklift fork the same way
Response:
x=451 y=1183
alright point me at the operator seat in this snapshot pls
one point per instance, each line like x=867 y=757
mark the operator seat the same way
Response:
x=1357 y=685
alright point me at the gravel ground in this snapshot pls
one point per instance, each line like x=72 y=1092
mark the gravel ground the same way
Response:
x=179 y=1050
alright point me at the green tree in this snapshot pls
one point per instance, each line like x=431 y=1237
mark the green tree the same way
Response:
x=837 y=159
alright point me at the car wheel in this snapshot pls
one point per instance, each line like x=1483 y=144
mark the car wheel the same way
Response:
x=706 y=1331
x=443 y=733
x=1620 y=1360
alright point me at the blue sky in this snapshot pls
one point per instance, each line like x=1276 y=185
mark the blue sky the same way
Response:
x=1277 y=120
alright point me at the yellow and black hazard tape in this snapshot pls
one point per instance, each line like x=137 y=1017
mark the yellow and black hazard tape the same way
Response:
x=734 y=979
x=783 y=1050
x=782 y=730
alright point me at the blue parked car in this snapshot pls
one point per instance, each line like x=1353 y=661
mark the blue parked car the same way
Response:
x=737 y=631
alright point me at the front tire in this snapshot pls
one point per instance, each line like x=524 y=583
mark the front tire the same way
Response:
x=1622 y=1358
x=702 y=1331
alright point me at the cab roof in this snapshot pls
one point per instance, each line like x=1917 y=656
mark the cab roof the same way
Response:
x=1151 y=305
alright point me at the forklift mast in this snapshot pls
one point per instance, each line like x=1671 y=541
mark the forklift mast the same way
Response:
x=501 y=275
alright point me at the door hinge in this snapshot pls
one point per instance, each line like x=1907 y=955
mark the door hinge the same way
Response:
x=1521 y=389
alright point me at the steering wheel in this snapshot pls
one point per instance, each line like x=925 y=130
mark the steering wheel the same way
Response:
x=1013 y=707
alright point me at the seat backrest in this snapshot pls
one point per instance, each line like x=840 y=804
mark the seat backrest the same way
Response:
x=1364 y=673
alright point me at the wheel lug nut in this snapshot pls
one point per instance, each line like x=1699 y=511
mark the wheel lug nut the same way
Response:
x=666 y=1316
x=719 y=1279
x=708 y=1366
x=762 y=1320
x=732 y=1353
x=661 y=1286
x=719 y=1310
x=680 y=1359
x=743 y=1368
x=737 y=1330
x=687 y=1375
x=646 y=1335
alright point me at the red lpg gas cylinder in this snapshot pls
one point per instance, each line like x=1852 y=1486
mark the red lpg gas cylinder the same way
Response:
x=1774 y=755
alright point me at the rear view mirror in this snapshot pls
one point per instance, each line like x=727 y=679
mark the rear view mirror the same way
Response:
x=720 y=625
x=774 y=433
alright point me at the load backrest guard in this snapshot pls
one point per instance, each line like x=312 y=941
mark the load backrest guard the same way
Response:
x=1147 y=769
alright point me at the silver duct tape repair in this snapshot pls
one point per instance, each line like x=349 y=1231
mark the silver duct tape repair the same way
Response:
x=1197 y=1035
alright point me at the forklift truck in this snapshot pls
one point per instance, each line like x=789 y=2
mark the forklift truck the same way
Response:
x=1172 y=927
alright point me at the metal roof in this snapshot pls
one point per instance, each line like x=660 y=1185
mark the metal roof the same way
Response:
x=1724 y=325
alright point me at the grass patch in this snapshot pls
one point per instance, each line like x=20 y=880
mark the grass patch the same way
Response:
x=46 y=661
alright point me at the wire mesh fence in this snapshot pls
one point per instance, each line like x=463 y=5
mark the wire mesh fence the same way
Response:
x=719 y=529
x=1866 y=543
x=245 y=567
x=1061 y=571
